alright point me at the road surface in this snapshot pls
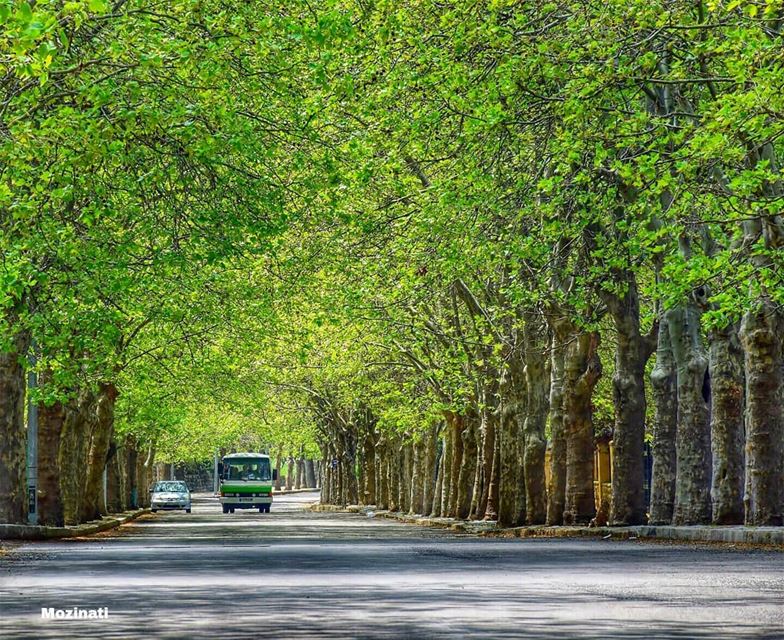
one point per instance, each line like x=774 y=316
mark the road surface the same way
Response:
x=297 y=574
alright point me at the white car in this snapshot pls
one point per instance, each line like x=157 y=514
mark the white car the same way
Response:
x=168 y=495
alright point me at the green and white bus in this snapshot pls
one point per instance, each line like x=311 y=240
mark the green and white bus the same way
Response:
x=246 y=482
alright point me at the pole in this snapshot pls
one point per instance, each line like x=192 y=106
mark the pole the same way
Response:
x=215 y=486
x=32 y=442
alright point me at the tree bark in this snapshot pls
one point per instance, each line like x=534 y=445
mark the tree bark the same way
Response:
x=406 y=476
x=631 y=354
x=74 y=442
x=310 y=474
x=430 y=474
x=103 y=424
x=290 y=472
x=511 y=406
x=438 y=499
x=727 y=428
x=487 y=445
x=455 y=422
x=692 y=441
x=394 y=476
x=13 y=443
x=382 y=502
x=556 y=494
x=369 y=465
x=491 y=511
x=582 y=369
x=50 y=426
x=467 y=471
x=537 y=378
x=665 y=426
x=114 y=480
x=278 y=465
x=760 y=334
x=446 y=467
x=300 y=472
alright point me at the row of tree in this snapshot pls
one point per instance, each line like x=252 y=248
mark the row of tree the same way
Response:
x=545 y=196
x=428 y=238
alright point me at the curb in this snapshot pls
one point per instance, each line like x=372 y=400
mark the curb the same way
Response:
x=732 y=534
x=285 y=491
x=279 y=492
x=36 y=532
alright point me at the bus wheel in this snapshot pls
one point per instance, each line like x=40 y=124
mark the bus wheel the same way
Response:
x=225 y=508
x=231 y=509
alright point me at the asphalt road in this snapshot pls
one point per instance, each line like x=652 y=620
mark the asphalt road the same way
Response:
x=297 y=574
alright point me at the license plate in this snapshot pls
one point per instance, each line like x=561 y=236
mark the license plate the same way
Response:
x=247 y=499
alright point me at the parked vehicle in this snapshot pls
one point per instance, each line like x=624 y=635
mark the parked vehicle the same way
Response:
x=169 y=495
x=246 y=482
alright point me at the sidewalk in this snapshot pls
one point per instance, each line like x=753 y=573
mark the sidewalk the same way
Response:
x=737 y=534
x=37 y=532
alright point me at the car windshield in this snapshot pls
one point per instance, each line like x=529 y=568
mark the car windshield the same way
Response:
x=247 y=469
x=170 y=486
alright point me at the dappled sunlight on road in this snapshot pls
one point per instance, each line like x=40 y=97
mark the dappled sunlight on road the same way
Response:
x=294 y=573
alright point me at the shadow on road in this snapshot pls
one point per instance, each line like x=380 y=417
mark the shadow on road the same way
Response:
x=297 y=574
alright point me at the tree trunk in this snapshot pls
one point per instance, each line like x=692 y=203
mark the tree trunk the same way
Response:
x=348 y=468
x=114 y=481
x=631 y=354
x=455 y=423
x=74 y=442
x=440 y=458
x=727 y=429
x=446 y=467
x=430 y=472
x=537 y=378
x=290 y=472
x=760 y=333
x=556 y=493
x=665 y=426
x=278 y=465
x=491 y=511
x=145 y=480
x=467 y=471
x=692 y=441
x=369 y=466
x=406 y=477
x=418 y=473
x=394 y=475
x=310 y=474
x=511 y=406
x=325 y=497
x=582 y=369
x=50 y=425
x=103 y=423
x=382 y=502
x=13 y=445
x=132 y=486
x=300 y=472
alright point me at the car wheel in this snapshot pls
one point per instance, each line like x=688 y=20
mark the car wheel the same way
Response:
x=154 y=510
x=187 y=511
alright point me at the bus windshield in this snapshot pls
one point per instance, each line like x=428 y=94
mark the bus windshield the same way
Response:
x=247 y=469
